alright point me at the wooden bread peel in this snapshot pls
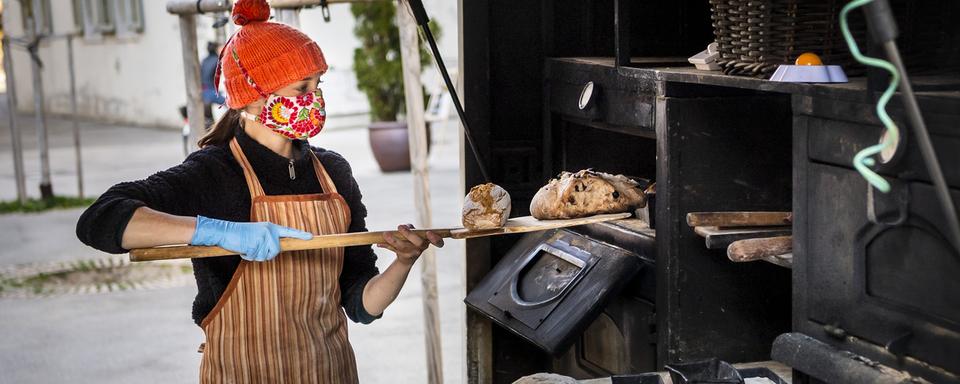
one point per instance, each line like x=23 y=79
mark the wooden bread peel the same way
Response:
x=756 y=249
x=738 y=219
x=747 y=235
x=515 y=225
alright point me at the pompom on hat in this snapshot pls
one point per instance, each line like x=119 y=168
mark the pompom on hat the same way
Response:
x=264 y=56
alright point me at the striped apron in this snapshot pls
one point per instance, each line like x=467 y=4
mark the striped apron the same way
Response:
x=280 y=321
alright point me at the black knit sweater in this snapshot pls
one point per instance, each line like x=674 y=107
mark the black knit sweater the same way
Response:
x=210 y=182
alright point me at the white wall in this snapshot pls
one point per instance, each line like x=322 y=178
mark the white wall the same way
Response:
x=136 y=80
x=139 y=80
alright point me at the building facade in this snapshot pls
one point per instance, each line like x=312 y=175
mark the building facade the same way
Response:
x=128 y=63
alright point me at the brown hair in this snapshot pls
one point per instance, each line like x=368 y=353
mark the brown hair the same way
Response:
x=223 y=130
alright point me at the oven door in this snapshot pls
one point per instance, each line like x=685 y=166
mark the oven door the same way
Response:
x=551 y=285
x=896 y=286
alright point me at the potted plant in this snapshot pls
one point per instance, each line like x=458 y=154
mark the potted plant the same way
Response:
x=379 y=72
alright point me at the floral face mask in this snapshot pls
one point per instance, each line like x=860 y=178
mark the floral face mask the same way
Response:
x=296 y=117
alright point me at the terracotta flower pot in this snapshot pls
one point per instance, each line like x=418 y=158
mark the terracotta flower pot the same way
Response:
x=390 y=144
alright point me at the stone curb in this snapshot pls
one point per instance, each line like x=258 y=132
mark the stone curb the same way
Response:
x=21 y=271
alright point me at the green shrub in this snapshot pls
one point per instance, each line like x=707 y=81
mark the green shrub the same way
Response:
x=377 y=63
x=38 y=205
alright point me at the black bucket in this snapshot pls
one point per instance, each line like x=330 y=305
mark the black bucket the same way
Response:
x=710 y=371
x=643 y=378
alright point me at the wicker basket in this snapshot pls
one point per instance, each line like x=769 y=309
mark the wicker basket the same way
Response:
x=755 y=36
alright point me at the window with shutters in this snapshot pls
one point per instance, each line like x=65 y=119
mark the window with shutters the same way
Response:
x=130 y=15
x=39 y=10
x=102 y=17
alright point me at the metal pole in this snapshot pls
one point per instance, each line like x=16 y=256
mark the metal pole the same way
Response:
x=421 y=15
x=413 y=90
x=926 y=146
x=621 y=21
x=193 y=7
x=288 y=4
x=46 y=189
x=191 y=72
x=73 y=111
x=883 y=29
x=14 y=129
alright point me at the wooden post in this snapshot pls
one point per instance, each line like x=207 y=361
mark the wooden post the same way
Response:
x=410 y=55
x=73 y=118
x=40 y=117
x=191 y=74
x=187 y=10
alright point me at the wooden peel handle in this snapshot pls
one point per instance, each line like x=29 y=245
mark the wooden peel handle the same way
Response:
x=514 y=225
x=756 y=249
x=286 y=244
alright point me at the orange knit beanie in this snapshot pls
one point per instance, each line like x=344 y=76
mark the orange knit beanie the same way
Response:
x=264 y=56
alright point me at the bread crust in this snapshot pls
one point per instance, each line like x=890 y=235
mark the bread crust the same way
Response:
x=586 y=193
x=487 y=206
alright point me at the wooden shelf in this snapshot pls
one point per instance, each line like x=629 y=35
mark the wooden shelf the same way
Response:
x=652 y=69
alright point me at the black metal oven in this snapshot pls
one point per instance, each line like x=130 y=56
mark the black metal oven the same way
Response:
x=886 y=287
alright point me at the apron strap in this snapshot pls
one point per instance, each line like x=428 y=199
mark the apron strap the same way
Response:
x=325 y=181
x=253 y=184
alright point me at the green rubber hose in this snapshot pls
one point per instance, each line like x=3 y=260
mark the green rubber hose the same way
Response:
x=863 y=160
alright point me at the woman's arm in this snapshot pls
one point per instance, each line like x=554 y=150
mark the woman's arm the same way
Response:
x=365 y=292
x=254 y=241
x=383 y=289
x=258 y=241
x=151 y=228
x=175 y=192
x=164 y=209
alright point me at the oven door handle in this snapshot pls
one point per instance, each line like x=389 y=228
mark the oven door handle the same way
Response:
x=553 y=251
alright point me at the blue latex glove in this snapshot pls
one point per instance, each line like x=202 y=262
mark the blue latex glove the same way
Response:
x=253 y=241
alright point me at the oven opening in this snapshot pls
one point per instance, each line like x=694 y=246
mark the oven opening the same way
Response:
x=604 y=345
x=630 y=155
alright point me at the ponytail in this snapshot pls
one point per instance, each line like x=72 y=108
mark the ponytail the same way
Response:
x=223 y=130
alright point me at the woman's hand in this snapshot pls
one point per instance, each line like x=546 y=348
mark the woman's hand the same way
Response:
x=254 y=241
x=382 y=289
x=408 y=245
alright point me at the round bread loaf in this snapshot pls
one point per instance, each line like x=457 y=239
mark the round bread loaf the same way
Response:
x=487 y=206
x=586 y=193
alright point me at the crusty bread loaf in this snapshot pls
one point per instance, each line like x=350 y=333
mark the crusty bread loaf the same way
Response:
x=586 y=193
x=487 y=206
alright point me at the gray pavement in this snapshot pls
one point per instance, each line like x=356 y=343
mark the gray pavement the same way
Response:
x=147 y=336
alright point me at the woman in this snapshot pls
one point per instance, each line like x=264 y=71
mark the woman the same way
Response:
x=266 y=318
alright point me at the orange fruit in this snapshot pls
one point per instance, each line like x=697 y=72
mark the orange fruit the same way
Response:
x=808 y=58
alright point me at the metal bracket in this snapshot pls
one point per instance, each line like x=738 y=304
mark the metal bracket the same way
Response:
x=325 y=10
x=32 y=49
x=902 y=194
